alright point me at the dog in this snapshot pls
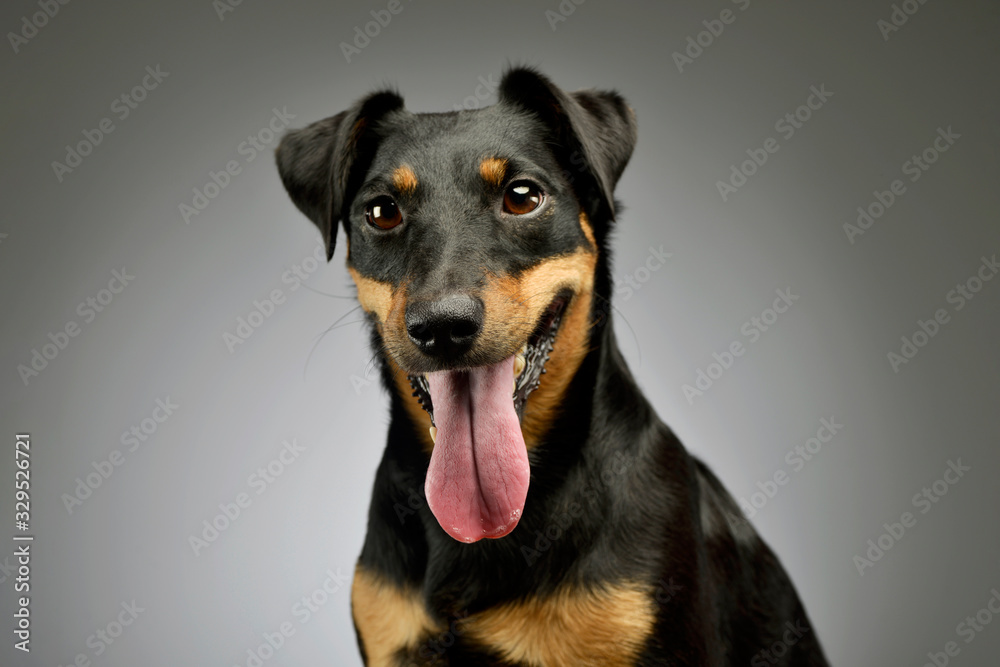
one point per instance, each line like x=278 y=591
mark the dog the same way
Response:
x=530 y=507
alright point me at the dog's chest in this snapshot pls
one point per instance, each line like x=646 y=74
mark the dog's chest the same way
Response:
x=609 y=626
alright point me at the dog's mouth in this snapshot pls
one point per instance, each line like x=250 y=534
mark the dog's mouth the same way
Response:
x=477 y=480
x=529 y=362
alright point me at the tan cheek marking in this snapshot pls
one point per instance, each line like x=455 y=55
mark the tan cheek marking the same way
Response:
x=544 y=404
x=513 y=308
x=387 y=617
x=514 y=305
x=577 y=272
x=421 y=420
x=404 y=179
x=374 y=296
x=588 y=231
x=510 y=316
x=571 y=627
x=389 y=307
x=493 y=169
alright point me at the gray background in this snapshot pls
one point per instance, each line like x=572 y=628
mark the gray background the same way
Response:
x=163 y=335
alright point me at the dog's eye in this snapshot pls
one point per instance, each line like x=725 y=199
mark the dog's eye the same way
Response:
x=383 y=213
x=521 y=197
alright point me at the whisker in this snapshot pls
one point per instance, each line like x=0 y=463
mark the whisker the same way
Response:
x=324 y=333
x=635 y=338
x=333 y=296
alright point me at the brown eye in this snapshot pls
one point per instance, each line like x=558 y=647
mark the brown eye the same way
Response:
x=383 y=213
x=521 y=197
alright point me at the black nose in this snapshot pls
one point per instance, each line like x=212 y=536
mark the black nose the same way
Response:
x=446 y=327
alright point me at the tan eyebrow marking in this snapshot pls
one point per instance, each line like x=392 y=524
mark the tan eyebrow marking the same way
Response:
x=404 y=179
x=493 y=169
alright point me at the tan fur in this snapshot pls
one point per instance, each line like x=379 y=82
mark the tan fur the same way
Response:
x=493 y=169
x=387 y=618
x=572 y=628
x=374 y=296
x=388 y=304
x=514 y=307
x=588 y=231
x=404 y=179
x=357 y=130
x=421 y=420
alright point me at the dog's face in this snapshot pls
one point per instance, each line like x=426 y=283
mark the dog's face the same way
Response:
x=473 y=241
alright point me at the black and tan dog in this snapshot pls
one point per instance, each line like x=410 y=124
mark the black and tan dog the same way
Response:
x=530 y=507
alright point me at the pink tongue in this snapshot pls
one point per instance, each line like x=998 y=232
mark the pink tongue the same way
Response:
x=478 y=476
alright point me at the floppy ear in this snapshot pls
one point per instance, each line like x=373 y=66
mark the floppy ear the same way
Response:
x=594 y=132
x=323 y=165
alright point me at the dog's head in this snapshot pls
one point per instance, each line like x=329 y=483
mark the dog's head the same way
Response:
x=473 y=239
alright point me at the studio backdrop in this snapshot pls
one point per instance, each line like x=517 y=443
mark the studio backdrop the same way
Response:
x=195 y=403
